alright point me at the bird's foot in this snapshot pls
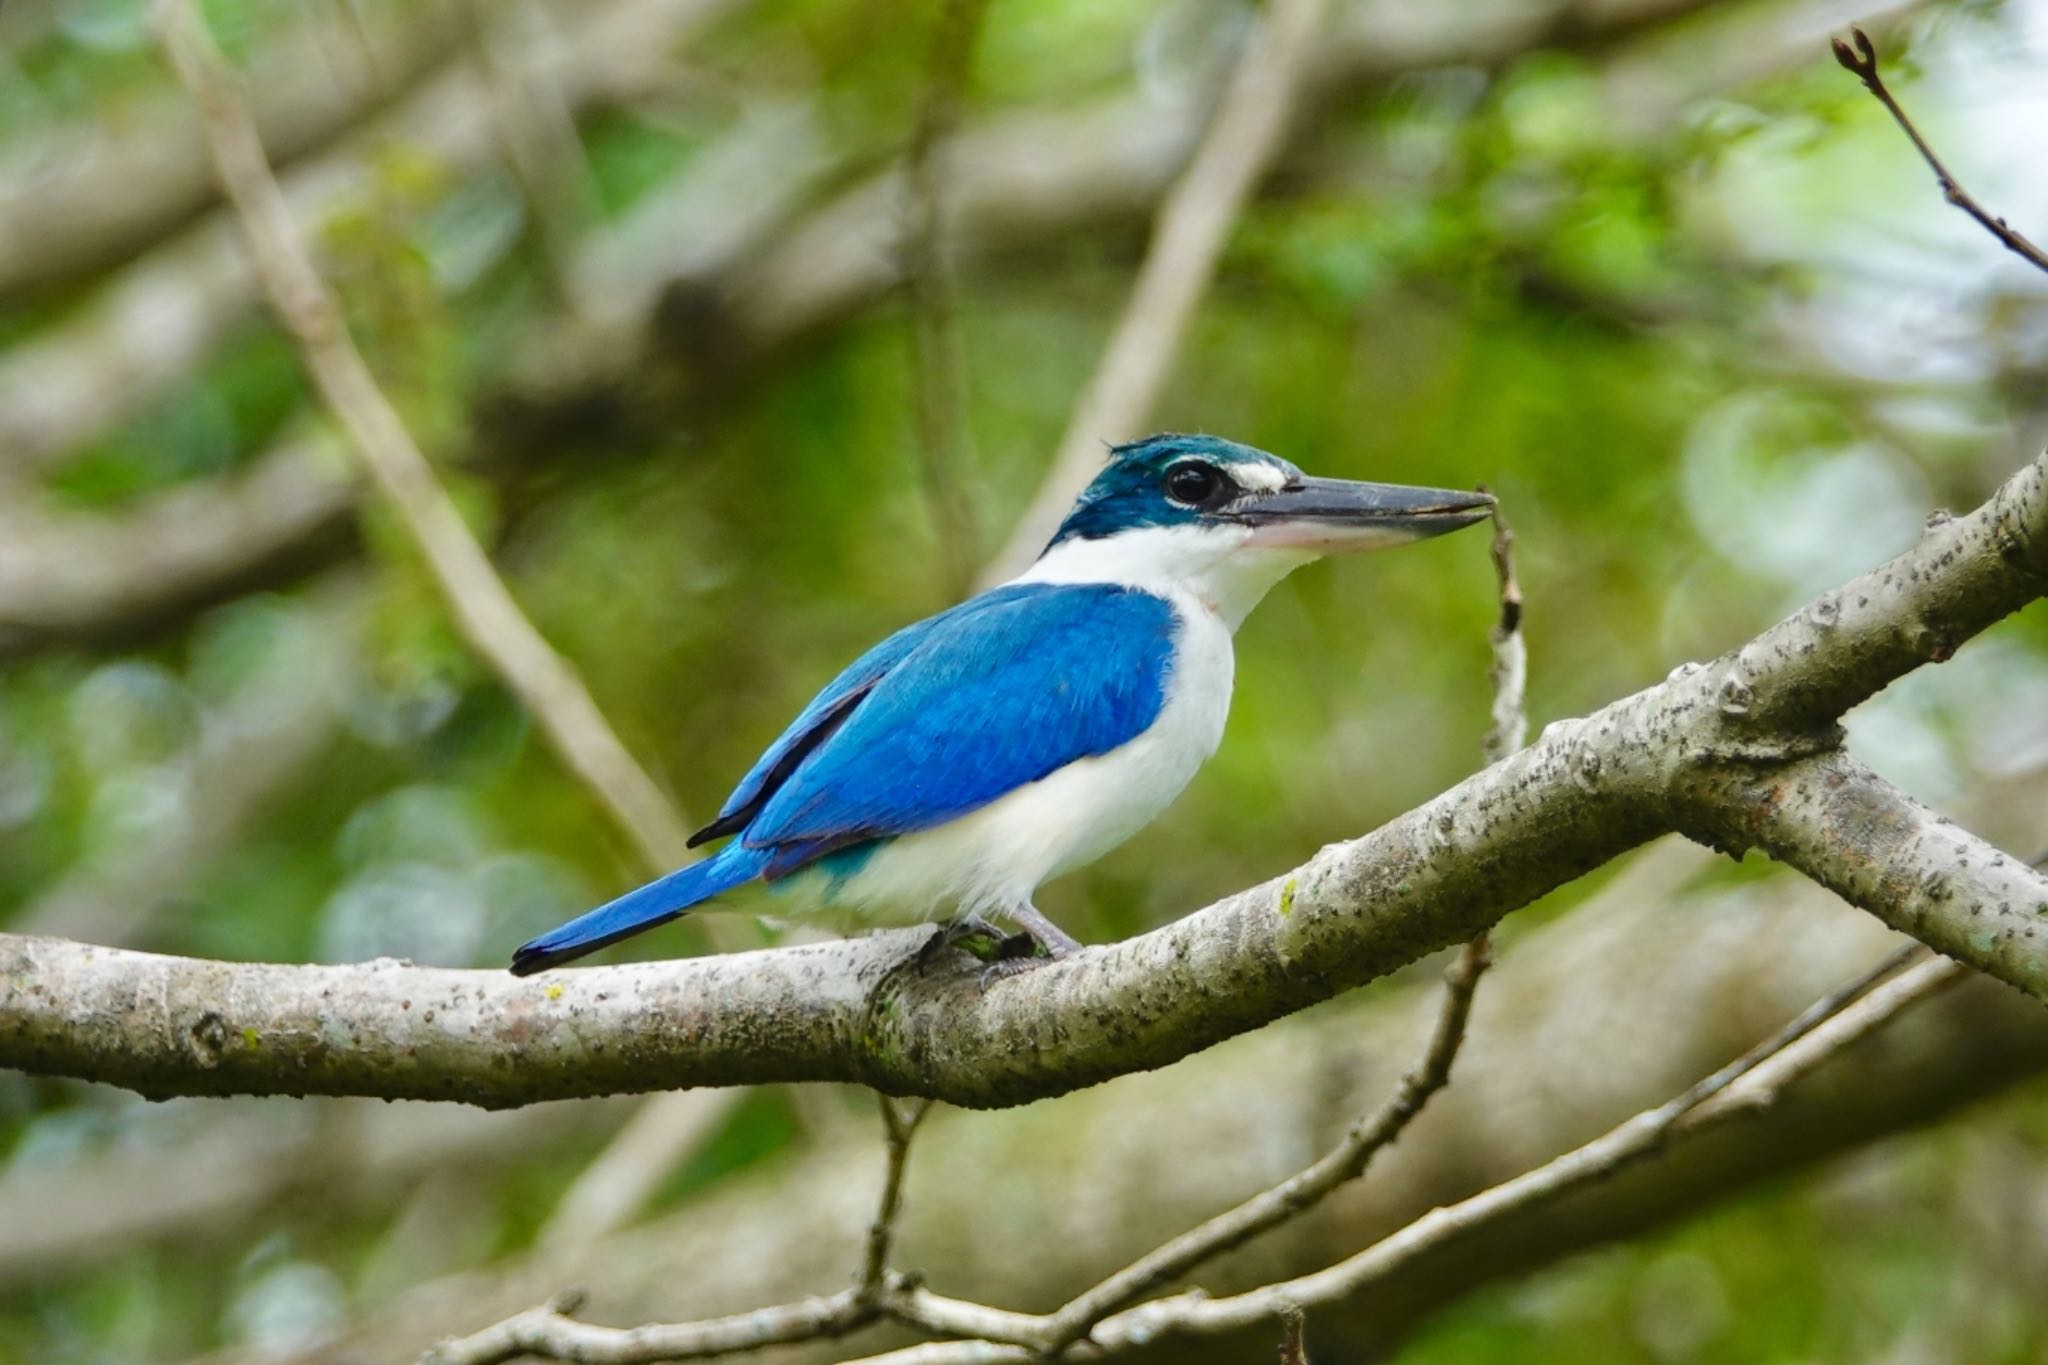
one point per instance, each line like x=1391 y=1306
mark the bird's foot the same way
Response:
x=1041 y=942
x=1055 y=941
x=1010 y=966
x=975 y=935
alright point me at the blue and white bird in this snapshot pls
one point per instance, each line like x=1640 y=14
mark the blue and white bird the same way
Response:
x=975 y=755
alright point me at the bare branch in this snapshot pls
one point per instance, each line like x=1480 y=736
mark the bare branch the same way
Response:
x=1187 y=238
x=1841 y=824
x=1510 y=726
x=551 y=1332
x=1861 y=62
x=899 y=1126
x=1293 y=1351
x=483 y=608
x=1638 y=1138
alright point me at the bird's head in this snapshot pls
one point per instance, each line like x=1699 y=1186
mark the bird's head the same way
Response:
x=1226 y=522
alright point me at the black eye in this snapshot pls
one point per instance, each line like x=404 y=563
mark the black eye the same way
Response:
x=1194 y=483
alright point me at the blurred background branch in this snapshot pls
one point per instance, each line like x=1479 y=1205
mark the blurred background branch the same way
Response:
x=477 y=598
x=934 y=292
x=1194 y=217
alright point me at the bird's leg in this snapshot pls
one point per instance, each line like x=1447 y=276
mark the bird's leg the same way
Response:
x=1040 y=934
x=1056 y=941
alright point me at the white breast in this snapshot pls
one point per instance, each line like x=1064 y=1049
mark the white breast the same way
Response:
x=999 y=854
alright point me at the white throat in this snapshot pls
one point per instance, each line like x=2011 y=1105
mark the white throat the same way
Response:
x=1217 y=566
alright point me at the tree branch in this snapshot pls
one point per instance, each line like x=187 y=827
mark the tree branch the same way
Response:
x=899 y=1126
x=1686 y=753
x=549 y=1331
x=1268 y=1209
x=1861 y=62
x=1644 y=986
x=1856 y=1010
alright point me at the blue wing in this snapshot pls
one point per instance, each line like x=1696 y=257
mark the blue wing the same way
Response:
x=1000 y=691
x=815 y=724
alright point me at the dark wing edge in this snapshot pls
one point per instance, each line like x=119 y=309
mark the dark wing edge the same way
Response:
x=783 y=760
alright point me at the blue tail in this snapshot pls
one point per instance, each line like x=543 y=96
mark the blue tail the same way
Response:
x=658 y=902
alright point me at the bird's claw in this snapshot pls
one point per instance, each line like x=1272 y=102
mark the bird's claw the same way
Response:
x=1012 y=966
x=975 y=936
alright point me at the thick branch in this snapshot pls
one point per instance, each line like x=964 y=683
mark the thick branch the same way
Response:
x=1611 y=1008
x=1841 y=824
x=1582 y=793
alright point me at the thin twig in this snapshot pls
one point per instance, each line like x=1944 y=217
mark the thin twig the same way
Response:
x=1305 y=1189
x=1187 y=238
x=1855 y=1010
x=1510 y=725
x=1861 y=62
x=943 y=446
x=1820 y=1032
x=484 y=609
x=899 y=1125
x=1293 y=1324
x=551 y=1333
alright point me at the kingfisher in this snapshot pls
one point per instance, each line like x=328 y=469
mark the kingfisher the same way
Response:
x=967 y=759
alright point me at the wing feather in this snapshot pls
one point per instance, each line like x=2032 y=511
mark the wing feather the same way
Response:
x=1002 y=691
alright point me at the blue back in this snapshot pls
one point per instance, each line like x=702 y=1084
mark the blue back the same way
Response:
x=951 y=713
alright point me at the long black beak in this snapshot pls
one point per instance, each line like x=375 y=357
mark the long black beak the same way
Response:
x=1336 y=512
